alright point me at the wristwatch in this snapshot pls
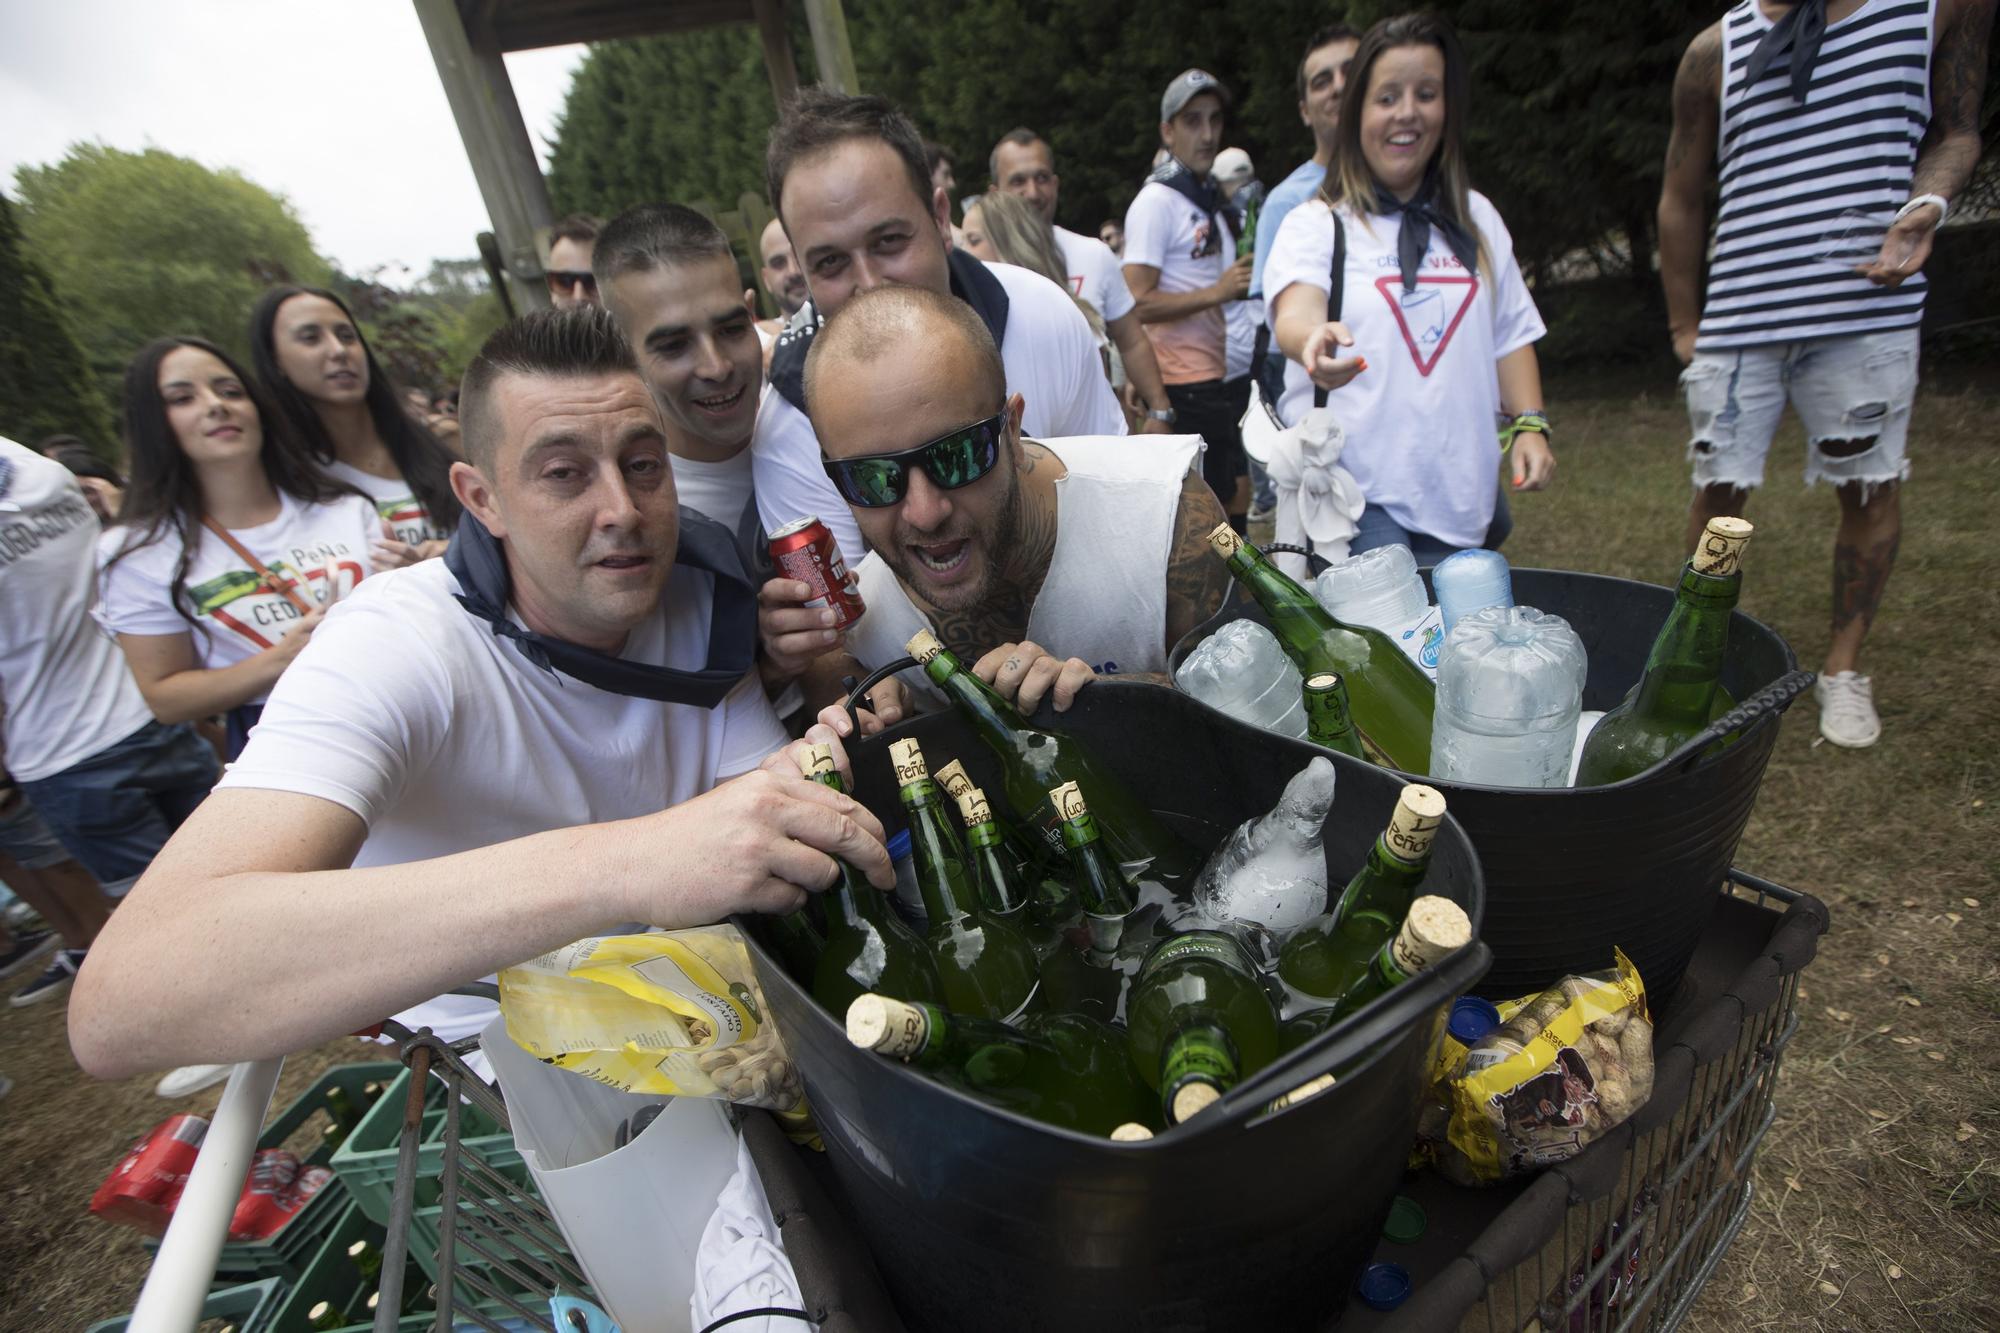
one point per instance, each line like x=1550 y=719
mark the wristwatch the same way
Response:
x=1165 y=414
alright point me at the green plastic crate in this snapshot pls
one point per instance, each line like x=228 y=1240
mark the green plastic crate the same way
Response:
x=366 y=1162
x=330 y=1275
x=249 y=1306
x=285 y=1252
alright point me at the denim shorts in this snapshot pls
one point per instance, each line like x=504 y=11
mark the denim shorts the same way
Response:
x=116 y=809
x=27 y=840
x=1848 y=392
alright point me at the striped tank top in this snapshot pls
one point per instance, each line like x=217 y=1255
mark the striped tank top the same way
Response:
x=1809 y=189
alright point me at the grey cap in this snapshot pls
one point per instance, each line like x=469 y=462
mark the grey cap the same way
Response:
x=1187 y=85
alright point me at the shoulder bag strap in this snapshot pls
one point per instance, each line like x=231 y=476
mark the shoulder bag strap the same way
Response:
x=265 y=574
x=1336 y=285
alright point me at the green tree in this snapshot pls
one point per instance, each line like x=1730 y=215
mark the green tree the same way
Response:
x=150 y=243
x=45 y=383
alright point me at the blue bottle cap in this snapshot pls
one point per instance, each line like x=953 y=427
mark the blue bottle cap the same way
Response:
x=1384 y=1286
x=1471 y=1019
x=1469 y=581
x=899 y=845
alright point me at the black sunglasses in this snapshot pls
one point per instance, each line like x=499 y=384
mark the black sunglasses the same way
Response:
x=952 y=460
x=563 y=280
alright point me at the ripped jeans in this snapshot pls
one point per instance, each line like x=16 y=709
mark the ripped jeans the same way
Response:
x=1852 y=394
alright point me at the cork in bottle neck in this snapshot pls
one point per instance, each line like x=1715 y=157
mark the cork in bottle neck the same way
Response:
x=923 y=646
x=908 y=760
x=973 y=807
x=1191 y=1099
x=886 y=1026
x=1720 y=551
x=1434 y=928
x=817 y=760
x=1414 y=825
x=1225 y=540
x=954 y=779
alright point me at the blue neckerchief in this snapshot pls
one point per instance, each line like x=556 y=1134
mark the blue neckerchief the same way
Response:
x=1420 y=214
x=1802 y=28
x=1203 y=193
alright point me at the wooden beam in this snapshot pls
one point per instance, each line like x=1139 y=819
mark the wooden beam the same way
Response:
x=830 y=47
x=777 y=42
x=496 y=141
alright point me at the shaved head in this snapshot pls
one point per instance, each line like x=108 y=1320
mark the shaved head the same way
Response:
x=876 y=325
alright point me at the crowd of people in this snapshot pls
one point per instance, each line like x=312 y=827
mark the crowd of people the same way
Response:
x=497 y=671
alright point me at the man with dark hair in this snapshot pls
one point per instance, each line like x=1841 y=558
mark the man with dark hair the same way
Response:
x=1840 y=134
x=569 y=272
x=1322 y=77
x=487 y=756
x=1023 y=164
x=1112 y=232
x=937 y=162
x=847 y=176
x=101 y=483
x=779 y=270
x=1041 y=563
x=1180 y=262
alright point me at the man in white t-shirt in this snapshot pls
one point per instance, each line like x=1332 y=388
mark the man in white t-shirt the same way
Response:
x=481 y=758
x=1041 y=563
x=1180 y=246
x=1023 y=164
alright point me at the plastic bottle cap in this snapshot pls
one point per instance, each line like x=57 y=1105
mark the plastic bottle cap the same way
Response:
x=1131 y=1132
x=899 y=845
x=1471 y=1019
x=1193 y=1099
x=1384 y=1286
x=1469 y=581
x=1406 y=1221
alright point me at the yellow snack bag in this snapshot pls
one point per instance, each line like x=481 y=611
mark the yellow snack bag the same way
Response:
x=677 y=1013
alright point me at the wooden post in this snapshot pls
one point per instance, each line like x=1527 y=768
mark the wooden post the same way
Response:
x=830 y=47
x=777 y=42
x=496 y=141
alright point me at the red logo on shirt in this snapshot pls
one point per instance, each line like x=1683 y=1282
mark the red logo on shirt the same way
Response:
x=1429 y=315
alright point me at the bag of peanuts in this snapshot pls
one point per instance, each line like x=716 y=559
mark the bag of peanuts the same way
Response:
x=677 y=1013
x=1562 y=1068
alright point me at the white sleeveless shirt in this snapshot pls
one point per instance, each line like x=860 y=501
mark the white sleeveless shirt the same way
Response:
x=1105 y=596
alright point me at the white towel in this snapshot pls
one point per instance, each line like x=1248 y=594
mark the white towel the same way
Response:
x=1319 y=501
x=741 y=1264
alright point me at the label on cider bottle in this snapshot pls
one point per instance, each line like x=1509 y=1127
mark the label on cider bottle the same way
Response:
x=908 y=761
x=1419 y=811
x=1721 y=548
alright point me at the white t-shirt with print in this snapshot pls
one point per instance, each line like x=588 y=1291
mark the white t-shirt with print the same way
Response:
x=322 y=547
x=1163 y=230
x=442 y=737
x=1095 y=274
x=1051 y=360
x=65 y=693
x=1420 y=421
x=394 y=501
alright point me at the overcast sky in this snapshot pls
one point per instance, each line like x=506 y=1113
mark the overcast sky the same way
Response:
x=336 y=106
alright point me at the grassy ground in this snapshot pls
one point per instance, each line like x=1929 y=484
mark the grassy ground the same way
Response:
x=1878 y=1203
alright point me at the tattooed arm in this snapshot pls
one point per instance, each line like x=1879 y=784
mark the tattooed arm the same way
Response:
x=1951 y=143
x=1683 y=212
x=1197 y=581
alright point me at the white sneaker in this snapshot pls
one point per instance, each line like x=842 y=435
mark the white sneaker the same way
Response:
x=1847 y=710
x=190 y=1079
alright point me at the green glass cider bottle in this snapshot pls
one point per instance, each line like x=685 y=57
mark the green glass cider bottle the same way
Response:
x=1033 y=762
x=1329 y=953
x=1682 y=686
x=868 y=948
x=1064 y=1069
x=1434 y=928
x=1392 y=700
x=1101 y=887
x=998 y=881
x=1198 y=1021
x=986 y=965
x=1329 y=721
x=1028 y=854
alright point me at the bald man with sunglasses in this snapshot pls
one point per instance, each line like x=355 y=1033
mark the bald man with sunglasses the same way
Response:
x=1044 y=563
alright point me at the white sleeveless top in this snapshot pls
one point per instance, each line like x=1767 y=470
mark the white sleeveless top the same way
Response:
x=1105 y=597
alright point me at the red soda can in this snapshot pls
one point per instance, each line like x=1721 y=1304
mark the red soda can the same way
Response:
x=804 y=549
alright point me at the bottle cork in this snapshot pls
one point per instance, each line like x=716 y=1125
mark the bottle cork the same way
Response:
x=1226 y=540
x=952 y=777
x=1720 y=550
x=1434 y=928
x=908 y=760
x=1419 y=811
x=1068 y=801
x=817 y=760
x=1324 y=683
x=1191 y=1099
x=1131 y=1132
x=885 y=1026
x=973 y=807
x=1305 y=1092
x=923 y=646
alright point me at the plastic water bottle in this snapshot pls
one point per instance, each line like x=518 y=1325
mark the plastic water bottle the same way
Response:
x=1242 y=670
x=1382 y=589
x=1271 y=872
x=1471 y=581
x=1510 y=689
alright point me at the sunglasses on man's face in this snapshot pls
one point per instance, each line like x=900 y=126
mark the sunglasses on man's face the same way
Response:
x=952 y=460
x=566 y=280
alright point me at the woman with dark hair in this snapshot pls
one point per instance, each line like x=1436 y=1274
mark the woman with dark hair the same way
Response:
x=230 y=545
x=334 y=398
x=1434 y=336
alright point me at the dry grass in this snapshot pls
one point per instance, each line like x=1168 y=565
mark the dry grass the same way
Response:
x=1878 y=1203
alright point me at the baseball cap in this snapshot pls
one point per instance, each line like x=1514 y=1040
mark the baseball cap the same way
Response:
x=1232 y=165
x=1187 y=85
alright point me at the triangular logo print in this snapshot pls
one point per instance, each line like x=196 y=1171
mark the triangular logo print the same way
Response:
x=1429 y=315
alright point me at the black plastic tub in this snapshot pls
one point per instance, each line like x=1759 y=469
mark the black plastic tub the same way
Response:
x=1571 y=872
x=1241 y=1218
